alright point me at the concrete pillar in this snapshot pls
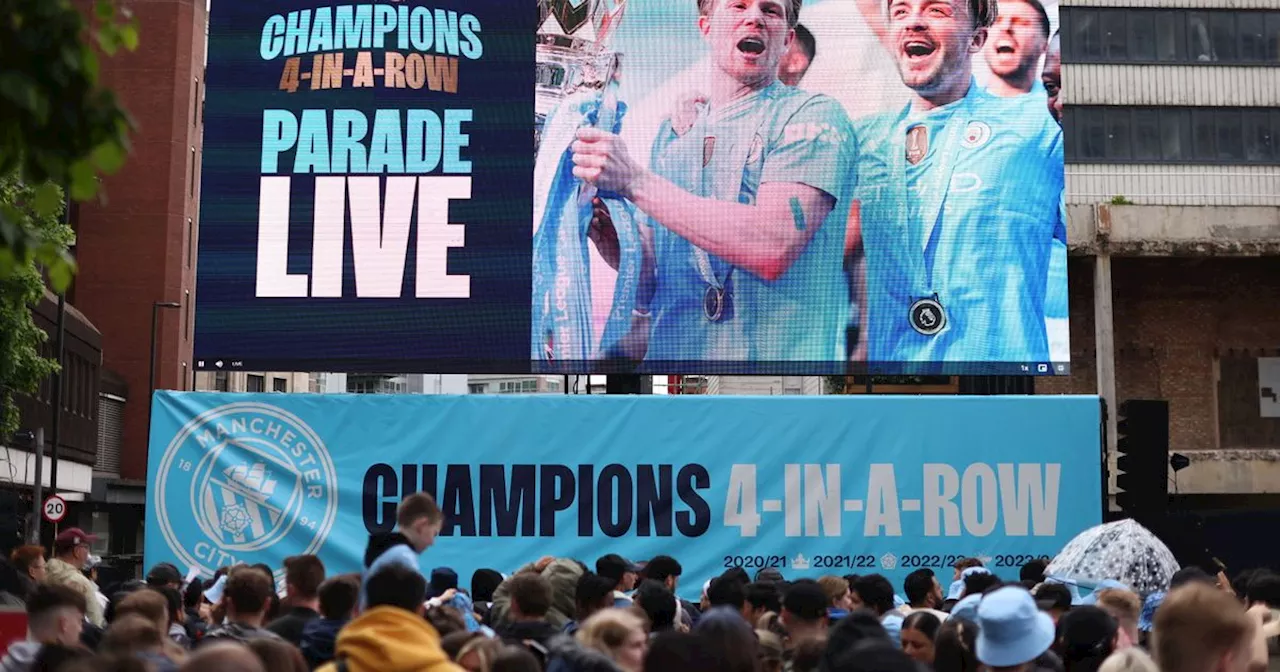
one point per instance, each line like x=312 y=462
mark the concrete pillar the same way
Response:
x=1104 y=328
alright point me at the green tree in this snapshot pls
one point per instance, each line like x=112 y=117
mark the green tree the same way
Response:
x=58 y=126
x=57 y=123
x=21 y=366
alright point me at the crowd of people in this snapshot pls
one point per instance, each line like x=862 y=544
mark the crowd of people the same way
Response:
x=563 y=615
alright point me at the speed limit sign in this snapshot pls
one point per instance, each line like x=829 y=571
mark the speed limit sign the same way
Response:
x=55 y=509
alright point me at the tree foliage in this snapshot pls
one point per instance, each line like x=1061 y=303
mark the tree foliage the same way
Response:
x=22 y=367
x=58 y=126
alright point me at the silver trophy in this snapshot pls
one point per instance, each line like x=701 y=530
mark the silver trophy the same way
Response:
x=572 y=51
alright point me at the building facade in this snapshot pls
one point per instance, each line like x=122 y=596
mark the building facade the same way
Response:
x=1172 y=128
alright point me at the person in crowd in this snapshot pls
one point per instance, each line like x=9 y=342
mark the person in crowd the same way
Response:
x=959 y=587
x=1054 y=599
x=770 y=575
x=873 y=656
x=839 y=596
x=177 y=628
x=760 y=598
x=561 y=573
x=337 y=596
x=1263 y=589
x=804 y=612
x=515 y=659
x=876 y=594
x=153 y=606
x=15 y=586
x=31 y=564
x=677 y=652
x=1199 y=628
x=772 y=651
x=1132 y=659
x=953 y=648
x=806 y=656
x=165 y=575
x=273 y=602
x=278 y=656
x=419 y=519
x=473 y=651
x=246 y=598
x=729 y=640
x=595 y=593
x=135 y=635
x=660 y=606
x=795 y=64
x=55 y=616
x=196 y=608
x=1012 y=632
x=1032 y=573
x=223 y=657
x=725 y=591
x=71 y=551
x=919 y=631
x=391 y=635
x=923 y=592
x=59 y=658
x=1087 y=635
x=619 y=635
x=527 y=615
x=303 y=575
x=442 y=580
x=1126 y=607
x=667 y=570
x=859 y=627
x=624 y=574
x=483 y=584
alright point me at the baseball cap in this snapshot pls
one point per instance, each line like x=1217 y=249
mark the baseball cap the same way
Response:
x=72 y=537
x=769 y=575
x=1011 y=630
x=613 y=566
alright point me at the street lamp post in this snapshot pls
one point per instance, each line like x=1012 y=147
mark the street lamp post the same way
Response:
x=151 y=378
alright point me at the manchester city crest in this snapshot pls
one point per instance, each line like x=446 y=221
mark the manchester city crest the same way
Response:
x=240 y=478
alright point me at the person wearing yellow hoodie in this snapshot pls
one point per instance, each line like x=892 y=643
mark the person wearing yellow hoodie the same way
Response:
x=391 y=635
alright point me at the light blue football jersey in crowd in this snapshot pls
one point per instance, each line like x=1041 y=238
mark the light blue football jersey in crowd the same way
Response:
x=777 y=134
x=969 y=221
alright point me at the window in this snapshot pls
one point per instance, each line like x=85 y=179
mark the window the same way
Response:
x=553 y=386
x=1231 y=136
x=1218 y=36
x=190 y=240
x=279 y=385
x=220 y=382
x=255 y=383
x=477 y=388
x=517 y=386
x=192 y=186
x=195 y=105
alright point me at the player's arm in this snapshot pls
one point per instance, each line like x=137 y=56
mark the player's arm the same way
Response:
x=763 y=239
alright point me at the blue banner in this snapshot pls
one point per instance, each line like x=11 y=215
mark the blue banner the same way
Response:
x=809 y=485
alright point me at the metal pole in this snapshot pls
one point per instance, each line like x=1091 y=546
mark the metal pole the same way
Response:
x=59 y=342
x=37 y=499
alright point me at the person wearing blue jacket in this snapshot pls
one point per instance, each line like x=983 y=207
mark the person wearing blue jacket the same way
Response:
x=419 y=520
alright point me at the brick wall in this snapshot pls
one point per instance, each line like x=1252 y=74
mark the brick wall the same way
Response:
x=1173 y=318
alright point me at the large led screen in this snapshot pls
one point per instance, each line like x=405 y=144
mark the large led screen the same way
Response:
x=652 y=186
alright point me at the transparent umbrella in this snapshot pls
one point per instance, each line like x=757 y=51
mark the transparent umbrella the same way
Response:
x=1122 y=551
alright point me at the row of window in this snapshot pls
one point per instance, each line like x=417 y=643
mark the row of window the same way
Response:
x=1093 y=35
x=1229 y=135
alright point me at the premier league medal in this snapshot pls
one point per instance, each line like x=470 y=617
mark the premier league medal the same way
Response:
x=713 y=303
x=927 y=316
x=572 y=51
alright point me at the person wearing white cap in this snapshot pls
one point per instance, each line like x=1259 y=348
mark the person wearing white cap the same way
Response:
x=1012 y=632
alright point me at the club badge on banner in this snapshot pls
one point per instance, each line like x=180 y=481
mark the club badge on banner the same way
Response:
x=810 y=486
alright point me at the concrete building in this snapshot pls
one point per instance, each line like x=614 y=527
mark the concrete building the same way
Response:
x=249 y=381
x=414 y=383
x=136 y=248
x=519 y=384
x=1172 y=132
x=761 y=385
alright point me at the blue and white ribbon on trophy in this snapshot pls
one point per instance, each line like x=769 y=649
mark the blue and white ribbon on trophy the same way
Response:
x=562 y=305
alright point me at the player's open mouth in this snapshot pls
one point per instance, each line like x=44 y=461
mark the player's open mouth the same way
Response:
x=1005 y=48
x=751 y=45
x=918 y=48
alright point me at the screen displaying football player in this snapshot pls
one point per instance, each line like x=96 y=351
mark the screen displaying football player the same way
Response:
x=745 y=210
x=1015 y=44
x=960 y=197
